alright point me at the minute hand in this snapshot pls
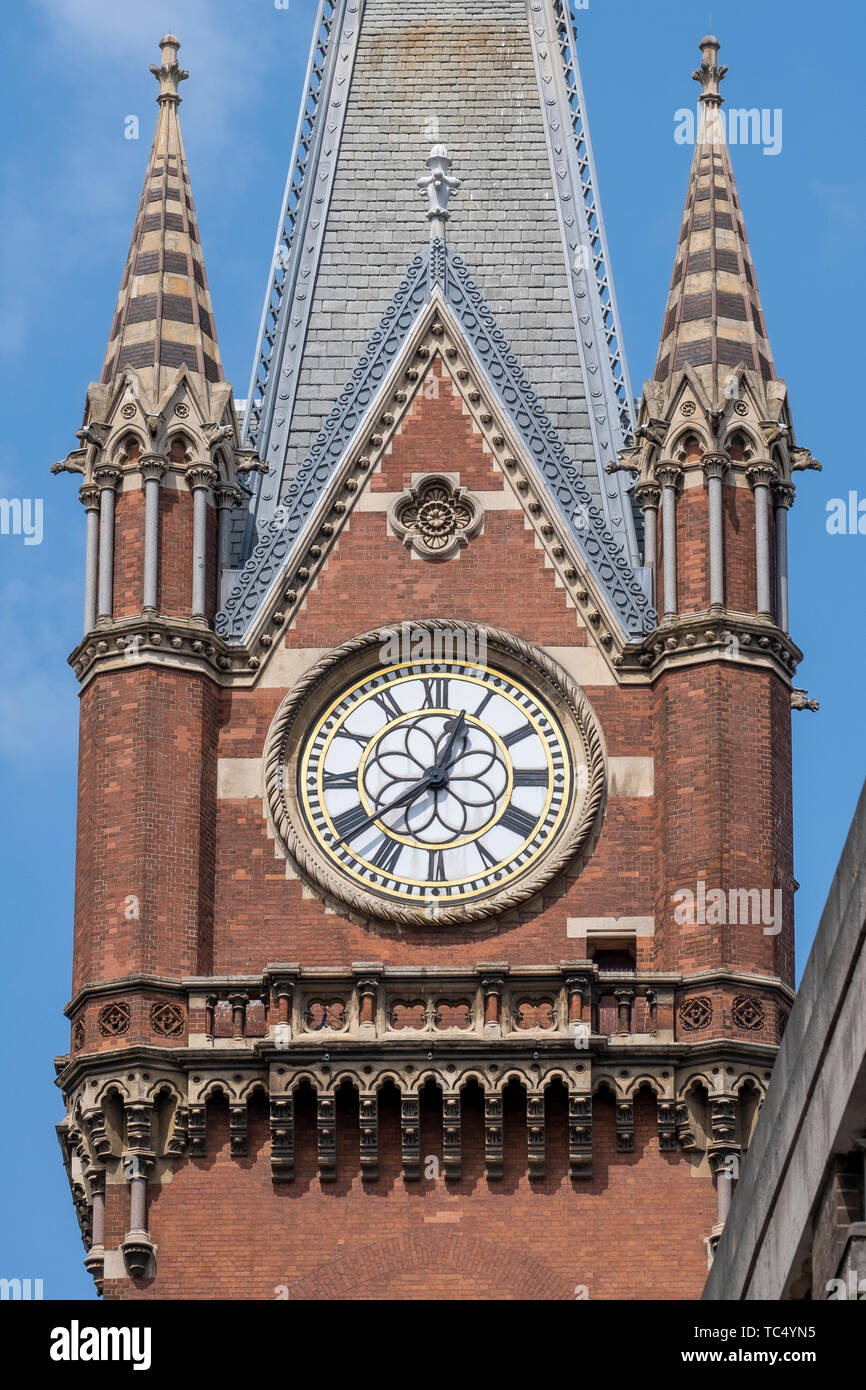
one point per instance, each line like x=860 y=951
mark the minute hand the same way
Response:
x=442 y=762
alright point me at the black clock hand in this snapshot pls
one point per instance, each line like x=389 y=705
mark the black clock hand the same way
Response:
x=409 y=795
x=442 y=762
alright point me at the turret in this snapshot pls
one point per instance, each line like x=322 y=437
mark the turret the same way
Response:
x=715 y=452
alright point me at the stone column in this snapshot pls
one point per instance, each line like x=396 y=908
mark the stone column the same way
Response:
x=89 y=495
x=137 y=1247
x=152 y=470
x=367 y=985
x=226 y=498
x=648 y=496
x=715 y=467
x=199 y=477
x=107 y=479
x=239 y=1011
x=624 y=1002
x=783 y=498
x=669 y=475
x=760 y=476
x=492 y=983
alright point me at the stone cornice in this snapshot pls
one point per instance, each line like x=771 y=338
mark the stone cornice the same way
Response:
x=740 y=638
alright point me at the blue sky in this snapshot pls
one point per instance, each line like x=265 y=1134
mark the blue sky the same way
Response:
x=70 y=185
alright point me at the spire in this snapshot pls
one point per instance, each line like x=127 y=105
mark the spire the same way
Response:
x=350 y=224
x=163 y=318
x=713 y=321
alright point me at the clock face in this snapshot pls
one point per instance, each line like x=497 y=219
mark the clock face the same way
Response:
x=435 y=781
x=432 y=791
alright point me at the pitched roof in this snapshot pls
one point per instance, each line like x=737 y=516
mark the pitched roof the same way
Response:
x=164 y=319
x=435 y=273
x=386 y=80
x=713 y=320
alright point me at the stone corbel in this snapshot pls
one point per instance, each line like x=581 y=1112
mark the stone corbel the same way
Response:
x=535 y=1134
x=580 y=1134
x=238 y=1129
x=624 y=1126
x=494 y=1152
x=326 y=1125
x=452 y=1146
x=368 y=1116
x=410 y=1135
x=282 y=1116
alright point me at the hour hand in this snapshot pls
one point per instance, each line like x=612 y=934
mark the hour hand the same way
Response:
x=409 y=795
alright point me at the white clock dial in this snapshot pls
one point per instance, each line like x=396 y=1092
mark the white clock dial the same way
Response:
x=433 y=792
x=435 y=782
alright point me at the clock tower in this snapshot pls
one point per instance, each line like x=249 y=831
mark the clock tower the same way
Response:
x=434 y=902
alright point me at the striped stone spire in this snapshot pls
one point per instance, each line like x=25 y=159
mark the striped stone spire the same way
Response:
x=713 y=321
x=164 y=318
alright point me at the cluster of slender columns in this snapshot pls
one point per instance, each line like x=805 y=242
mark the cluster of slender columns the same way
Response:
x=661 y=494
x=98 y=499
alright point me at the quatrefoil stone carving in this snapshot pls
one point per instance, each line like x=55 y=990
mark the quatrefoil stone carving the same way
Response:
x=436 y=516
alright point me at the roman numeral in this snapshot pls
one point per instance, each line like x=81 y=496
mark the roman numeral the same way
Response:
x=436 y=866
x=333 y=781
x=520 y=822
x=361 y=739
x=484 y=703
x=435 y=693
x=348 y=823
x=385 y=700
x=530 y=777
x=387 y=854
x=515 y=737
x=487 y=859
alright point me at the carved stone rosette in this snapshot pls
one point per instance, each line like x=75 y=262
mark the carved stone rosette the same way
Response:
x=436 y=517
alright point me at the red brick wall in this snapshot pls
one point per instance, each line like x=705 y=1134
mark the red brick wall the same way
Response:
x=225 y=1230
x=146 y=811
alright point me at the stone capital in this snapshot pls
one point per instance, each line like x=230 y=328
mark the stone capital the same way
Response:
x=88 y=496
x=715 y=465
x=152 y=467
x=668 y=474
x=226 y=496
x=648 y=496
x=199 y=475
x=107 y=477
x=761 y=475
x=783 y=495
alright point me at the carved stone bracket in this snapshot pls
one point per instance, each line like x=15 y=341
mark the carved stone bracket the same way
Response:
x=410 y=1136
x=624 y=1126
x=326 y=1123
x=580 y=1135
x=368 y=1114
x=494 y=1153
x=282 y=1114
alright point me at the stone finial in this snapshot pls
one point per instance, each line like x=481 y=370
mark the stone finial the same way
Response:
x=438 y=185
x=709 y=74
x=169 y=74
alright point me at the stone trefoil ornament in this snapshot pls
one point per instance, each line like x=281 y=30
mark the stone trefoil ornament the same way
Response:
x=436 y=517
x=439 y=184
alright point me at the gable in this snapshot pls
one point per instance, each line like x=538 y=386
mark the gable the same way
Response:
x=439 y=310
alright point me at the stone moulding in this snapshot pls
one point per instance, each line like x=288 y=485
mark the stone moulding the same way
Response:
x=515 y=654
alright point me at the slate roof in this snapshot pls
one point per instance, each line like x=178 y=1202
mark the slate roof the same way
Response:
x=500 y=86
